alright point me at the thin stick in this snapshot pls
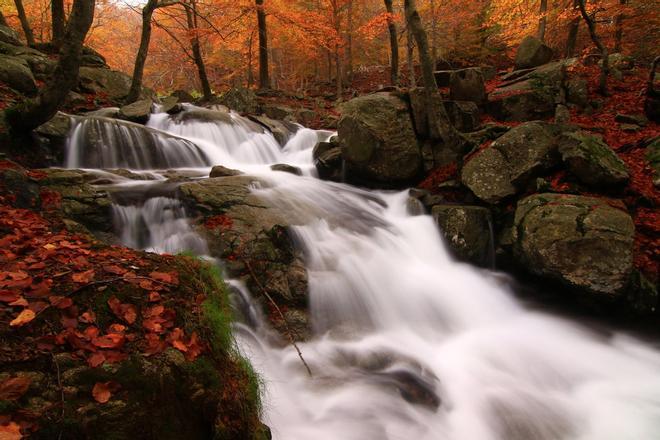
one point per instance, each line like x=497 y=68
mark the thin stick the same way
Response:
x=286 y=324
x=59 y=384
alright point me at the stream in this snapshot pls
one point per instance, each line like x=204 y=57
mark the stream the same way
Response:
x=407 y=343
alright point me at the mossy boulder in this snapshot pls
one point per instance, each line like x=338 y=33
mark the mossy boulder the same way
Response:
x=240 y=99
x=592 y=160
x=466 y=230
x=532 y=52
x=583 y=242
x=16 y=73
x=653 y=157
x=467 y=85
x=114 y=84
x=138 y=111
x=9 y=36
x=378 y=141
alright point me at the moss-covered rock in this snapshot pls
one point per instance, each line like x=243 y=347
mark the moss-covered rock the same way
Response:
x=16 y=73
x=138 y=111
x=592 y=160
x=467 y=231
x=115 y=85
x=653 y=157
x=583 y=242
x=532 y=52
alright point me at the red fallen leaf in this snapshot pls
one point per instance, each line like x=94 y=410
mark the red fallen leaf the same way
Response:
x=153 y=311
x=20 y=302
x=117 y=328
x=111 y=340
x=195 y=347
x=153 y=324
x=91 y=332
x=129 y=313
x=60 y=302
x=11 y=431
x=23 y=318
x=155 y=344
x=68 y=322
x=116 y=270
x=23 y=283
x=8 y=296
x=96 y=359
x=115 y=305
x=83 y=277
x=88 y=317
x=154 y=297
x=165 y=277
x=37 y=266
x=40 y=289
x=148 y=285
x=112 y=356
x=14 y=388
x=17 y=276
x=101 y=391
x=176 y=339
x=37 y=306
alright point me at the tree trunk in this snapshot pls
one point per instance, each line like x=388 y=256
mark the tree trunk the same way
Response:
x=349 y=44
x=250 y=74
x=440 y=127
x=191 y=16
x=410 y=58
x=338 y=68
x=34 y=112
x=25 y=24
x=605 y=68
x=573 y=30
x=394 y=45
x=434 y=35
x=618 y=23
x=543 y=20
x=58 y=21
x=3 y=20
x=264 y=79
x=141 y=57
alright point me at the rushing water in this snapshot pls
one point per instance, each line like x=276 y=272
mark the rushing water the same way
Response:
x=407 y=342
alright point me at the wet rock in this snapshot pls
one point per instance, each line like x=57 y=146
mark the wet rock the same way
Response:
x=203 y=115
x=286 y=169
x=328 y=160
x=489 y=132
x=138 y=111
x=16 y=73
x=282 y=131
x=467 y=231
x=467 y=85
x=581 y=241
x=378 y=141
x=220 y=171
x=9 y=36
x=240 y=100
x=102 y=80
x=170 y=104
x=279 y=112
x=183 y=96
x=510 y=162
x=532 y=52
x=592 y=160
x=58 y=127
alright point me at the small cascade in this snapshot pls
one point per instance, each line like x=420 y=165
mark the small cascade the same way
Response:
x=159 y=225
x=97 y=142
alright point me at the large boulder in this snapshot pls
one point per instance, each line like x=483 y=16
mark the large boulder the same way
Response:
x=114 y=84
x=467 y=85
x=592 y=160
x=378 y=141
x=467 y=231
x=532 y=95
x=240 y=99
x=511 y=161
x=9 y=36
x=138 y=111
x=328 y=160
x=653 y=157
x=281 y=130
x=532 y=52
x=16 y=73
x=584 y=242
x=464 y=115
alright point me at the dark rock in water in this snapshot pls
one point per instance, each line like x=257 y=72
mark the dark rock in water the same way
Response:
x=467 y=230
x=16 y=73
x=171 y=105
x=183 y=96
x=378 y=141
x=582 y=241
x=467 y=85
x=442 y=77
x=278 y=112
x=53 y=134
x=138 y=112
x=240 y=100
x=220 y=171
x=510 y=162
x=282 y=130
x=203 y=115
x=10 y=36
x=286 y=169
x=328 y=160
x=592 y=160
x=532 y=52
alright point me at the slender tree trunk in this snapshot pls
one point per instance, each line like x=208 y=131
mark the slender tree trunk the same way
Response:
x=338 y=66
x=349 y=44
x=264 y=79
x=250 y=73
x=605 y=68
x=543 y=20
x=3 y=20
x=141 y=57
x=329 y=59
x=58 y=21
x=191 y=16
x=573 y=30
x=618 y=22
x=434 y=34
x=34 y=112
x=410 y=58
x=25 y=24
x=440 y=127
x=394 y=45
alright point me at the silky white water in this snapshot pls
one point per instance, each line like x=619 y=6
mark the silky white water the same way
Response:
x=408 y=344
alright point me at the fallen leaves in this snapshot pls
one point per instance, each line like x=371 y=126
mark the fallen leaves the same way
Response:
x=23 y=318
x=83 y=277
x=14 y=387
x=102 y=391
x=11 y=431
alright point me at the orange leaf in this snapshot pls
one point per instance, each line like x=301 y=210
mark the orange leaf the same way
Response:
x=10 y=432
x=88 y=317
x=96 y=359
x=8 y=296
x=112 y=340
x=14 y=388
x=101 y=392
x=129 y=313
x=83 y=277
x=165 y=277
x=23 y=318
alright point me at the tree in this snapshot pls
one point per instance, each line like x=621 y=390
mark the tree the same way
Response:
x=264 y=78
x=25 y=24
x=605 y=62
x=58 y=21
x=33 y=112
x=3 y=20
x=618 y=23
x=440 y=127
x=394 y=44
x=573 y=30
x=193 y=30
x=543 y=20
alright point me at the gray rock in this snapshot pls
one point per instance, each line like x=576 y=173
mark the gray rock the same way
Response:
x=102 y=80
x=220 y=171
x=240 y=100
x=577 y=92
x=170 y=104
x=183 y=96
x=58 y=127
x=286 y=169
x=467 y=231
x=378 y=141
x=328 y=160
x=653 y=157
x=620 y=62
x=282 y=131
x=16 y=73
x=467 y=85
x=442 y=77
x=592 y=160
x=637 y=119
x=138 y=112
x=464 y=115
x=581 y=241
x=487 y=176
x=532 y=52
x=9 y=36
x=278 y=112
x=562 y=115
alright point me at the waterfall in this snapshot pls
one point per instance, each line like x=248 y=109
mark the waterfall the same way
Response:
x=407 y=342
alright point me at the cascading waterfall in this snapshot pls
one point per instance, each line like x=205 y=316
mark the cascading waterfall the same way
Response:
x=408 y=343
